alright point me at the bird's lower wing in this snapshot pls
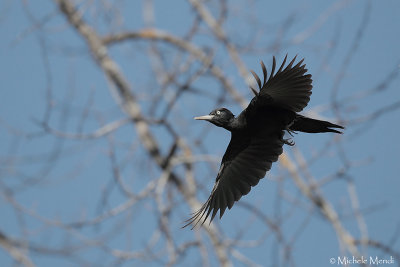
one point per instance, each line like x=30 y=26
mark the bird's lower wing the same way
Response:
x=236 y=176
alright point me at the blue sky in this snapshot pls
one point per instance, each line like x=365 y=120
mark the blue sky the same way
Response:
x=72 y=175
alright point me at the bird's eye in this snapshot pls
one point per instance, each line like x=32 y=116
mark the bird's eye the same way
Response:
x=218 y=112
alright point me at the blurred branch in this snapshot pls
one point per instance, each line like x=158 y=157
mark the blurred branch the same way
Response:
x=207 y=61
x=14 y=249
x=102 y=131
x=129 y=103
x=319 y=201
x=218 y=31
x=132 y=108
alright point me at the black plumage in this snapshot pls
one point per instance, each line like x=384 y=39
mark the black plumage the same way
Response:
x=257 y=134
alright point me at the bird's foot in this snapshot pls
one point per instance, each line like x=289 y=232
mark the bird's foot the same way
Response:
x=288 y=142
x=289 y=131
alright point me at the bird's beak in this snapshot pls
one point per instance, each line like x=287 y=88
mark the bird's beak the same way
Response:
x=205 y=117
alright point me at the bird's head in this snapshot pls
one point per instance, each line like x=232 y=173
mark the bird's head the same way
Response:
x=221 y=117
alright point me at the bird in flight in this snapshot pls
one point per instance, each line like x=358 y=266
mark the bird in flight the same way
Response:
x=257 y=134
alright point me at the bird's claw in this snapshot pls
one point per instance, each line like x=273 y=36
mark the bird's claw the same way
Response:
x=290 y=132
x=288 y=142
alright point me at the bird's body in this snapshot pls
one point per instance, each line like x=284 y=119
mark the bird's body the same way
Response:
x=257 y=134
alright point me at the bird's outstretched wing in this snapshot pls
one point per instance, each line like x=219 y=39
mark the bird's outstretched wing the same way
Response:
x=289 y=87
x=245 y=162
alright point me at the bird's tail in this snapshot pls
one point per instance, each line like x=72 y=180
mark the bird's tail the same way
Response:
x=308 y=125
